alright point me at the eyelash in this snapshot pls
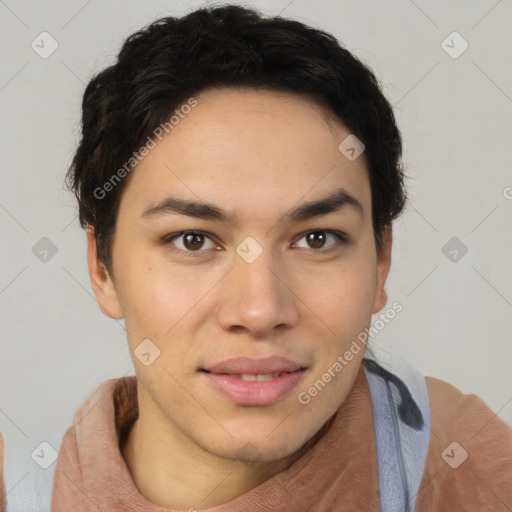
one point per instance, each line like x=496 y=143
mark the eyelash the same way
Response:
x=342 y=238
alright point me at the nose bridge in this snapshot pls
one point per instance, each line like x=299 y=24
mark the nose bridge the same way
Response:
x=258 y=298
x=256 y=271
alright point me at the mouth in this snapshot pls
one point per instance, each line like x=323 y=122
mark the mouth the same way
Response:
x=249 y=377
x=254 y=382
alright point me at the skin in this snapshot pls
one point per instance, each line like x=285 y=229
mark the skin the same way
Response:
x=256 y=154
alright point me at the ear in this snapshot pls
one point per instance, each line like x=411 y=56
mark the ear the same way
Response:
x=383 y=265
x=101 y=282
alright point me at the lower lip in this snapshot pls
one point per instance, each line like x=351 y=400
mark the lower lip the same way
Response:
x=262 y=392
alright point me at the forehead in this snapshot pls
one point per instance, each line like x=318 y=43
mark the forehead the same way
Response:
x=249 y=150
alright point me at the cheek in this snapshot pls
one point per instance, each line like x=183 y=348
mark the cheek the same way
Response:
x=344 y=295
x=159 y=301
x=153 y=304
x=142 y=293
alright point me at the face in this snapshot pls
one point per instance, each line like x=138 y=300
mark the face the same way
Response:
x=247 y=303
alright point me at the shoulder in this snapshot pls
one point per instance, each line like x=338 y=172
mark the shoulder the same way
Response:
x=110 y=400
x=466 y=417
x=469 y=460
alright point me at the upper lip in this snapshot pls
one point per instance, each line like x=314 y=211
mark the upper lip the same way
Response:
x=247 y=365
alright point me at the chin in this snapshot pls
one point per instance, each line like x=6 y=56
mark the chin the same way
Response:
x=260 y=451
x=258 y=446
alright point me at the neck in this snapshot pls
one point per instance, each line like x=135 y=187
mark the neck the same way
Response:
x=171 y=471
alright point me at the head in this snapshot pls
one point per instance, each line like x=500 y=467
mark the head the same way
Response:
x=240 y=226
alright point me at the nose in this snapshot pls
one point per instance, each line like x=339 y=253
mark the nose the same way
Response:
x=258 y=297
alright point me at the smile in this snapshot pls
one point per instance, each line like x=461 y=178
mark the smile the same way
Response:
x=254 y=389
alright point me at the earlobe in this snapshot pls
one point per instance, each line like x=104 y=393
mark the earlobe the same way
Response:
x=383 y=265
x=101 y=281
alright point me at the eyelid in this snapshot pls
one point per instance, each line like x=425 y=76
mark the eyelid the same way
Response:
x=342 y=237
x=167 y=240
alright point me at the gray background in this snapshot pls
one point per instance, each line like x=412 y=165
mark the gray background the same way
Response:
x=454 y=114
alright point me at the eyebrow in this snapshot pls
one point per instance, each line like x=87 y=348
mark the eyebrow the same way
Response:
x=336 y=201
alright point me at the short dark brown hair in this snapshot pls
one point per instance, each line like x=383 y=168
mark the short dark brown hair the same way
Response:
x=164 y=64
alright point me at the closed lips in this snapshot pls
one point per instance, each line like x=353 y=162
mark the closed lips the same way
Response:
x=254 y=382
x=253 y=376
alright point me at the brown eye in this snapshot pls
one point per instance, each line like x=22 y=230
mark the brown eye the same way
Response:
x=191 y=241
x=317 y=239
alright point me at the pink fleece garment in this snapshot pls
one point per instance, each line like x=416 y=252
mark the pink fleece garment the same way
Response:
x=339 y=473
